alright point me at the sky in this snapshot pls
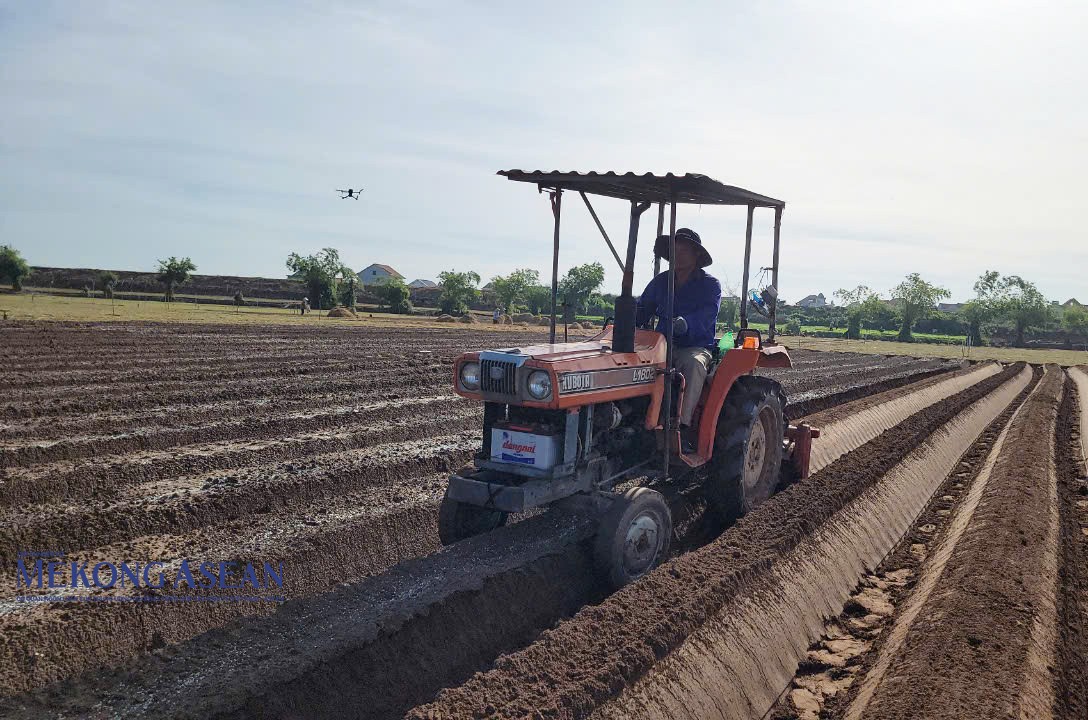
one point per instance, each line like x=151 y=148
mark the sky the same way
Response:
x=944 y=138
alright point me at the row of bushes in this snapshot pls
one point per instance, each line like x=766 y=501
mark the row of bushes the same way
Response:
x=931 y=339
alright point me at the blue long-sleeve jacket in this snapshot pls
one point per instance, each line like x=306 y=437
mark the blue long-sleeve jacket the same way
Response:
x=697 y=301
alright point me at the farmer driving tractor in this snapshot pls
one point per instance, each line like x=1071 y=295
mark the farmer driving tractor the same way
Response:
x=591 y=424
x=698 y=298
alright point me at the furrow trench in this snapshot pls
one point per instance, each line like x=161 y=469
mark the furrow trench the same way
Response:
x=738 y=663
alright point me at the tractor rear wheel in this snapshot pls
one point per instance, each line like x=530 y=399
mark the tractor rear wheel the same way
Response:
x=458 y=520
x=748 y=447
x=633 y=537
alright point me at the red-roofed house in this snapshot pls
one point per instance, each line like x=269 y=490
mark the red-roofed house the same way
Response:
x=377 y=273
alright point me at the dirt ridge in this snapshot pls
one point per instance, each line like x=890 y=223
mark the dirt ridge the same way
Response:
x=604 y=649
x=981 y=646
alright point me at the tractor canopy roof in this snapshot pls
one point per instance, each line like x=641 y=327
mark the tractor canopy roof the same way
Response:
x=689 y=188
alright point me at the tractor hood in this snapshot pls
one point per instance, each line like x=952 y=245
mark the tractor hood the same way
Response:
x=648 y=345
x=573 y=368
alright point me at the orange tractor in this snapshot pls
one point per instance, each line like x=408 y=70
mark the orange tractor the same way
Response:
x=582 y=418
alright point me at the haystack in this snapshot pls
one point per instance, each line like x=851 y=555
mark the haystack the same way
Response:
x=341 y=312
x=446 y=318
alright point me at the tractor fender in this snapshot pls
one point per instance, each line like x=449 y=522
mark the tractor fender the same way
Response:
x=774 y=356
x=736 y=362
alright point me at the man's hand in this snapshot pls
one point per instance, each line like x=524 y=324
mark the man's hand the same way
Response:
x=679 y=326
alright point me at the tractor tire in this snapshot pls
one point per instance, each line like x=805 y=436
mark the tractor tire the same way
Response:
x=458 y=520
x=633 y=537
x=747 y=461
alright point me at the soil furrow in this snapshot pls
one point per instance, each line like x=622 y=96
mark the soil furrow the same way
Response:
x=104 y=481
x=833 y=664
x=319 y=545
x=279 y=689
x=592 y=658
x=180 y=416
x=85 y=403
x=985 y=616
x=186 y=503
x=1071 y=672
x=251 y=428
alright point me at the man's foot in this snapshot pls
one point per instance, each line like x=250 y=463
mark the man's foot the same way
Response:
x=689 y=442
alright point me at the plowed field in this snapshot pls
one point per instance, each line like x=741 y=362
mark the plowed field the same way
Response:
x=326 y=450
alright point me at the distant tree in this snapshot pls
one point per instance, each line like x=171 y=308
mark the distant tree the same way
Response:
x=917 y=299
x=881 y=315
x=174 y=272
x=793 y=326
x=394 y=294
x=603 y=305
x=458 y=291
x=1020 y=302
x=108 y=280
x=729 y=313
x=239 y=299
x=513 y=288
x=538 y=299
x=1075 y=320
x=860 y=303
x=347 y=289
x=983 y=307
x=319 y=272
x=580 y=283
x=13 y=268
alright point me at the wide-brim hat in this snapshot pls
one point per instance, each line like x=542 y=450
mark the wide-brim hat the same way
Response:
x=661 y=246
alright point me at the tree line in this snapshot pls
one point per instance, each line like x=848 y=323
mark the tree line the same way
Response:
x=172 y=273
x=1001 y=301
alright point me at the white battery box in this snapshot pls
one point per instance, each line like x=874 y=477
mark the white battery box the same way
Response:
x=522 y=448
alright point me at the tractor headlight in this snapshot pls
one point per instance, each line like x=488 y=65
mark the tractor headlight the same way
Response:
x=540 y=384
x=470 y=375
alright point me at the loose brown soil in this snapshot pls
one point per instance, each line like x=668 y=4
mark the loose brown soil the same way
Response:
x=982 y=642
x=323 y=448
x=593 y=657
x=836 y=661
x=1071 y=681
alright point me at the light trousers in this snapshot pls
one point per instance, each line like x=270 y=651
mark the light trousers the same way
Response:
x=692 y=362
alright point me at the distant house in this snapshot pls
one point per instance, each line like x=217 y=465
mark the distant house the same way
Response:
x=1071 y=302
x=812 y=301
x=377 y=273
x=950 y=307
x=418 y=284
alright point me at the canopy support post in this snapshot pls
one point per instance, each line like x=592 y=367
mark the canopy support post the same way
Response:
x=747 y=260
x=557 y=203
x=660 y=229
x=774 y=271
x=669 y=344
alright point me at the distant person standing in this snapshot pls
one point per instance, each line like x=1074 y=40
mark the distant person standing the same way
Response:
x=495 y=316
x=304 y=306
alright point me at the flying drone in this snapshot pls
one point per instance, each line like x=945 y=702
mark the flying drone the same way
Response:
x=349 y=193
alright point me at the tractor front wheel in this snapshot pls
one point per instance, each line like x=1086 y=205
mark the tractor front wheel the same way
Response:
x=748 y=447
x=458 y=520
x=634 y=536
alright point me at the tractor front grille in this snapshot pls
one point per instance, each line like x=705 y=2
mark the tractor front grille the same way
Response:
x=498 y=377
